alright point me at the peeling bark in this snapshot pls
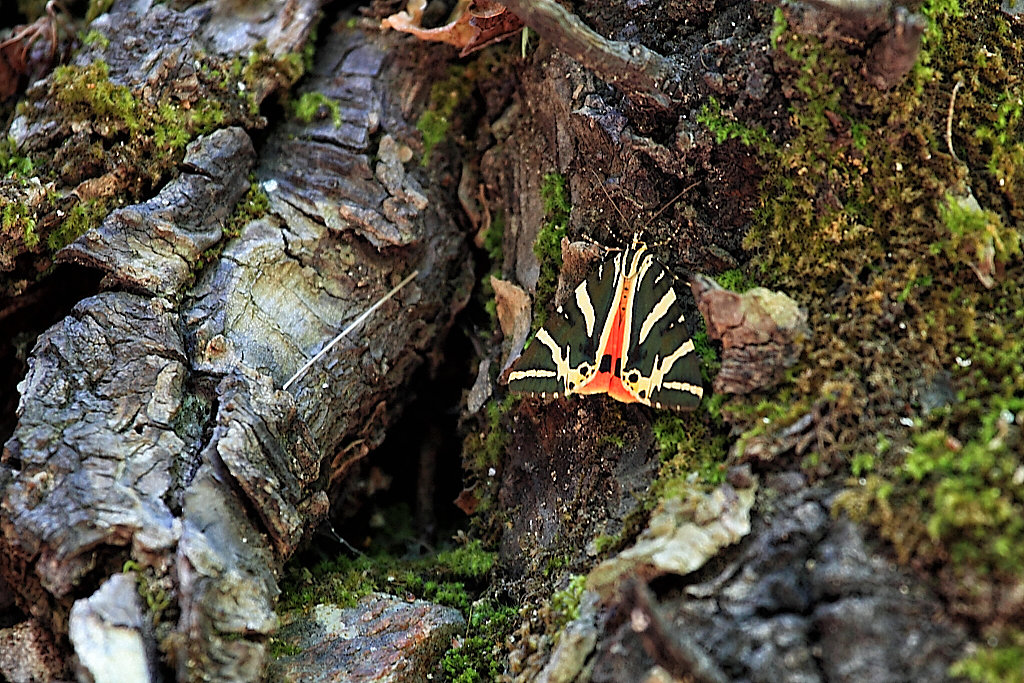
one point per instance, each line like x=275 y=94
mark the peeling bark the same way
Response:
x=150 y=426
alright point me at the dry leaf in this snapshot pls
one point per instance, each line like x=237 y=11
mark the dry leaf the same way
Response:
x=473 y=24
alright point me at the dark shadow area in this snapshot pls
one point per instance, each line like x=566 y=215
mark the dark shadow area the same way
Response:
x=25 y=317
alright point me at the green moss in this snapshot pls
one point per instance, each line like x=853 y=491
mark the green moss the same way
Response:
x=548 y=246
x=252 y=206
x=999 y=663
x=90 y=87
x=470 y=561
x=18 y=221
x=975 y=234
x=479 y=657
x=155 y=597
x=914 y=284
x=735 y=280
x=12 y=164
x=861 y=464
x=94 y=37
x=343 y=581
x=724 y=128
x=449 y=578
x=434 y=127
x=688 y=447
x=710 y=362
x=565 y=603
x=446 y=96
x=973 y=490
x=82 y=218
x=157 y=128
x=277 y=648
x=316 y=105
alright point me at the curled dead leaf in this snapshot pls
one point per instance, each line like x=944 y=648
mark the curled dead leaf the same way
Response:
x=472 y=25
x=513 y=308
x=761 y=333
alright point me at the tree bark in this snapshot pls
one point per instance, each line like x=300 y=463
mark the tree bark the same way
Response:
x=152 y=434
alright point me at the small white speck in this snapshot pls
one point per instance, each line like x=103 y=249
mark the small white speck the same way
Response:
x=963 y=362
x=906 y=422
x=899 y=167
x=1002 y=181
x=241 y=86
x=862 y=481
x=491 y=471
x=270 y=185
x=1018 y=476
x=766 y=420
x=903 y=326
x=1006 y=416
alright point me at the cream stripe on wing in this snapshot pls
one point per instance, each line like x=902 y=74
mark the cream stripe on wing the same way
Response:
x=685 y=386
x=656 y=314
x=586 y=307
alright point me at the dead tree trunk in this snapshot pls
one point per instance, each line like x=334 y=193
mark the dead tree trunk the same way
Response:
x=153 y=436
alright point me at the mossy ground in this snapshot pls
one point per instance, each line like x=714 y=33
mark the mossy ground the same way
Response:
x=915 y=295
x=455 y=577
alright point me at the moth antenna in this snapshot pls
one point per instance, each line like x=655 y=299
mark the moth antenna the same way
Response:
x=587 y=238
x=600 y=183
x=673 y=200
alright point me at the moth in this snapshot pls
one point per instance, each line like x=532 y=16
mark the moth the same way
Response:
x=623 y=332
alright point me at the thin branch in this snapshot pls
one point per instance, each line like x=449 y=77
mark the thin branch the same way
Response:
x=341 y=335
x=674 y=650
x=631 y=67
x=949 y=120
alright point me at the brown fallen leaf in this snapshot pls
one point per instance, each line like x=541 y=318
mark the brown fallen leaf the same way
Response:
x=472 y=25
x=761 y=333
x=513 y=308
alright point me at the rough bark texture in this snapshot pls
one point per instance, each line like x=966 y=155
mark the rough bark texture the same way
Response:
x=150 y=427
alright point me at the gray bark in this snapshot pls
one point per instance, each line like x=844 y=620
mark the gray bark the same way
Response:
x=150 y=426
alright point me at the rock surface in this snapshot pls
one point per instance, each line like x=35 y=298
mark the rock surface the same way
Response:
x=107 y=632
x=383 y=639
x=804 y=598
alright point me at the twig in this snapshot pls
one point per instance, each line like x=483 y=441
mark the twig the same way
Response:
x=674 y=650
x=363 y=316
x=632 y=68
x=949 y=120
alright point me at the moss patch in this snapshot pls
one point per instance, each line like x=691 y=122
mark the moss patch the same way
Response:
x=548 y=246
x=909 y=262
x=452 y=577
x=315 y=105
x=446 y=96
